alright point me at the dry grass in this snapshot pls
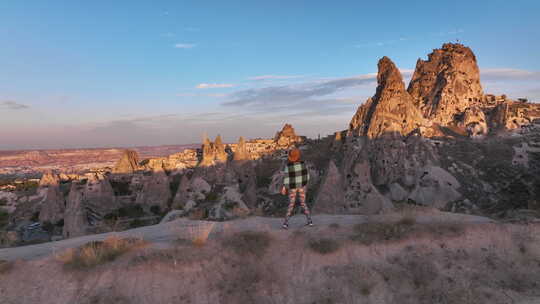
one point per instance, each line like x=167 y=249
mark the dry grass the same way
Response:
x=406 y=227
x=372 y=232
x=96 y=253
x=5 y=267
x=196 y=235
x=324 y=245
x=251 y=242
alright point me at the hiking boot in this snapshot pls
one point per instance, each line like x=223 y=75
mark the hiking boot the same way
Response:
x=309 y=223
x=285 y=226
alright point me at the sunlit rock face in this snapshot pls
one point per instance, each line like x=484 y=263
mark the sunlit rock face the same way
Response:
x=213 y=152
x=447 y=83
x=474 y=122
x=128 y=164
x=241 y=152
x=391 y=110
x=53 y=204
x=512 y=115
x=286 y=137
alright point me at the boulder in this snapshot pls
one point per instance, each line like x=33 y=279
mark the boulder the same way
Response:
x=435 y=187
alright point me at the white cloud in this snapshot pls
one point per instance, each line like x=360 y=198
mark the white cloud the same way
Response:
x=214 y=85
x=12 y=105
x=273 y=77
x=494 y=74
x=185 y=45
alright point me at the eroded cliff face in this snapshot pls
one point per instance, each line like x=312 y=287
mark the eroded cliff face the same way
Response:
x=391 y=110
x=129 y=163
x=89 y=200
x=447 y=83
x=53 y=204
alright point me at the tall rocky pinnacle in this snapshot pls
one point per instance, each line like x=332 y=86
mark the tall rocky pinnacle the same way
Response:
x=391 y=110
x=53 y=204
x=241 y=152
x=213 y=152
x=287 y=136
x=447 y=83
x=128 y=164
x=219 y=147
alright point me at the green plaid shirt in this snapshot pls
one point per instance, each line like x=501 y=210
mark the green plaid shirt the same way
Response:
x=296 y=175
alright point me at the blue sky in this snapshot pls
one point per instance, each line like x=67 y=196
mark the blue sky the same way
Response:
x=124 y=73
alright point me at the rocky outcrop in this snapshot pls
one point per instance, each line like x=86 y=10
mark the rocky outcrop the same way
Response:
x=513 y=115
x=330 y=196
x=391 y=110
x=241 y=152
x=287 y=137
x=213 y=152
x=88 y=201
x=53 y=204
x=447 y=83
x=128 y=164
x=474 y=122
x=155 y=191
x=230 y=204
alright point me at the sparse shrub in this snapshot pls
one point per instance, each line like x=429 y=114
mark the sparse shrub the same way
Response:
x=324 y=245
x=47 y=226
x=136 y=223
x=155 y=209
x=4 y=218
x=97 y=253
x=407 y=221
x=368 y=233
x=5 y=267
x=365 y=289
x=35 y=217
x=334 y=226
x=120 y=187
x=131 y=211
x=175 y=183
x=212 y=196
x=252 y=242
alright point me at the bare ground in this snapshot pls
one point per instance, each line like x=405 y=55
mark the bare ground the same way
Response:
x=403 y=257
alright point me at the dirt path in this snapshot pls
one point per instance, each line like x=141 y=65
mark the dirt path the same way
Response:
x=163 y=234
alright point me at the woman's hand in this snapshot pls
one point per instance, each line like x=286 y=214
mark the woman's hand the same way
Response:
x=283 y=190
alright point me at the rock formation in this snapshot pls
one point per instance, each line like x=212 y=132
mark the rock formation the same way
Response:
x=88 y=201
x=391 y=110
x=286 y=137
x=330 y=197
x=128 y=164
x=241 y=152
x=213 y=152
x=155 y=191
x=474 y=122
x=53 y=204
x=512 y=115
x=447 y=83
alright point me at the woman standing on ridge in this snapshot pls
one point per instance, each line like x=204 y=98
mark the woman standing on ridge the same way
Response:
x=295 y=181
